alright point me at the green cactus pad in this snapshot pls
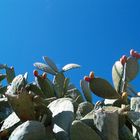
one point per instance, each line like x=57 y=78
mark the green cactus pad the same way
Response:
x=59 y=81
x=44 y=68
x=85 y=88
x=102 y=88
x=50 y=63
x=2 y=77
x=132 y=68
x=80 y=131
x=117 y=72
x=35 y=89
x=46 y=86
x=125 y=134
x=10 y=72
x=74 y=93
x=70 y=66
x=66 y=84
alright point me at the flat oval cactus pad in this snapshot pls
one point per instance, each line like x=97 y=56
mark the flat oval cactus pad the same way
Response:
x=103 y=88
x=117 y=71
x=132 y=68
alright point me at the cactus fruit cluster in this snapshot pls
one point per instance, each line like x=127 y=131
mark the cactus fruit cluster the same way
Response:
x=55 y=109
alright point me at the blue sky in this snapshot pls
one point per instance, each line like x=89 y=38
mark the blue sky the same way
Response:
x=92 y=33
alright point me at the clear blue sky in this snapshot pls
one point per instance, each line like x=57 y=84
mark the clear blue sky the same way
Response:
x=92 y=33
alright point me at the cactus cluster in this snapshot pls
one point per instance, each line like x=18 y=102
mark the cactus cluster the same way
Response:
x=55 y=109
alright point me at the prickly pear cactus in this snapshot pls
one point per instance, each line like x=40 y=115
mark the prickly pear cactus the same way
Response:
x=101 y=87
x=132 y=68
x=124 y=71
x=47 y=109
x=45 y=85
x=20 y=100
x=29 y=130
x=117 y=74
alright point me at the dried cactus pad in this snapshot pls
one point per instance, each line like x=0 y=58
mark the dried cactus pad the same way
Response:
x=19 y=99
x=132 y=68
x=102 y=88
x=117 y=71
x=22 y=105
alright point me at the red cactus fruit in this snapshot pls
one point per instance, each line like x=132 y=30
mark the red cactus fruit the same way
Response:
x=35 y=72
x=122 y=61
x=44 y=75
x=91 y=75
x=124 y=57
x=135 y=54
x=86 y=78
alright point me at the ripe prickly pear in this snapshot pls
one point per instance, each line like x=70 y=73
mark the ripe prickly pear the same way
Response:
x=86 y=78
x=123 y=59
x=135 y=54
x=35 y=72
x=102 y=88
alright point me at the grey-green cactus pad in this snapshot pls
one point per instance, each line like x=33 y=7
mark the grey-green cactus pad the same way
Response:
x=132 y=68
x=103 y=88
x=80 y=131
x=85 y=88
x=117 y=71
